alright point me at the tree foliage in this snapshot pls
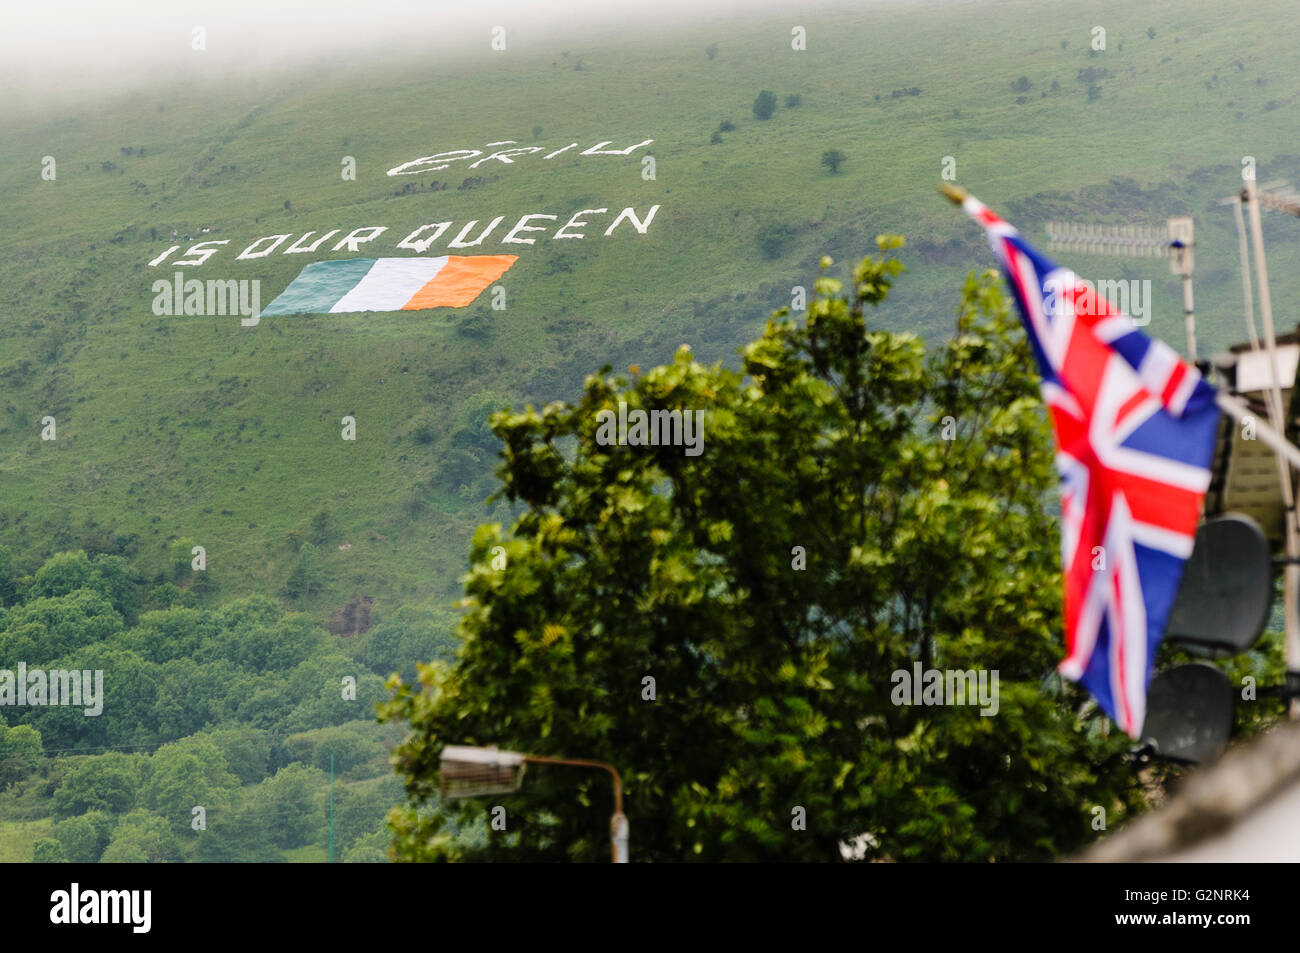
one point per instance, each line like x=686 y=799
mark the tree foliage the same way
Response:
x=141 y=837
x=291 y=803
x=184 y=775
x=858 y=507
x=306 y=578
x=198 y=707
x=104 y=782
x=20 y=753
x=84 y=837
x=409 y=635
x=47 y=850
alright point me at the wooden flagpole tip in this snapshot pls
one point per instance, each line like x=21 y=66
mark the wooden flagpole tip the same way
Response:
x=955 y=193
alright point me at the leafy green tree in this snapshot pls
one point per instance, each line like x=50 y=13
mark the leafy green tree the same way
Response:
x=47 y=627
x=858 y=507
x=473 y=427
x=186 y=774
x=774 y=239
x=239 y=836
x=193 y=694
x=85 y=837
x=765 y=104
x=359 y=813
x=163 y=596
x=63 y=573
x=119 y=582
x=130 y=692
x=321 y=529
x=278 y=645
x=180 y=560
x=21 y=753
x=125 y=852
x=266 y=706
x=409 y=635
x=832 y=159
x=293 y=801
x=351 y=744
x=247 y=752
x=203 y=585
x=314 y=688
x=365 y=854
x=171 y=633
x=104 y=782
x=306 y=578
x=141 y=837
x=48 y=851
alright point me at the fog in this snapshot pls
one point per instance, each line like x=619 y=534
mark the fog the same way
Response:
x=53 y=49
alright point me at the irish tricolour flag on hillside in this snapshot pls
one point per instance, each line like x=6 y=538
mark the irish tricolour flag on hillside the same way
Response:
x=389 y=284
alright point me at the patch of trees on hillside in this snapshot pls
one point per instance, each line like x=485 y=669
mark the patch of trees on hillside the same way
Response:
x=215 y=729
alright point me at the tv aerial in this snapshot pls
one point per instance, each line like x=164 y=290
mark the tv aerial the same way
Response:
x=1175 y=241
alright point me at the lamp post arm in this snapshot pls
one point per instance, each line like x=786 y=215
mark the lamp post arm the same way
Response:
x=583 y=763
x=618 y=827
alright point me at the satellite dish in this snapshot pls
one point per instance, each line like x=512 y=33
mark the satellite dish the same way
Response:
x=1189 y=713
x=1227 y=588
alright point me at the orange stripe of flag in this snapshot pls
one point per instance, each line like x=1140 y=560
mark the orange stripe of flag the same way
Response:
x=460 y=281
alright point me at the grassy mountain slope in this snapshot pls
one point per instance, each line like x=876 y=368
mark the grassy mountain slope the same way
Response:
x=194 y=427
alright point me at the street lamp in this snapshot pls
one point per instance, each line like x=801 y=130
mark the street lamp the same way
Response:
x=473 y=772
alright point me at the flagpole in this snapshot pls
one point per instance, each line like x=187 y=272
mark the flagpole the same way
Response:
x=1245 y=272
x=1291 y=574
x=954 y=193
x=1270 y=340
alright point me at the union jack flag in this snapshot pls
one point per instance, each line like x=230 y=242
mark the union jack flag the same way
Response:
x=1135 y=430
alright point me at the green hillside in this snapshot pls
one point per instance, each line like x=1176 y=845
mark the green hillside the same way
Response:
x=195 y=428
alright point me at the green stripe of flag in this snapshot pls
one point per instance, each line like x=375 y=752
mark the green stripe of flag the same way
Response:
x=319 y=286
